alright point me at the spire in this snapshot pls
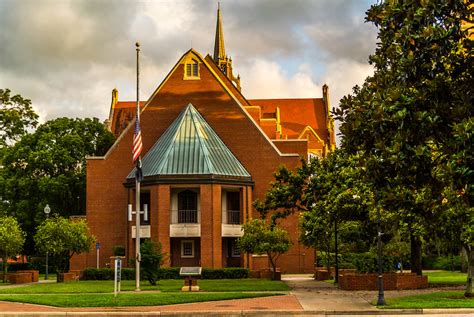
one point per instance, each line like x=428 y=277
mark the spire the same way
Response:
x=219 y=49
x=220 y=58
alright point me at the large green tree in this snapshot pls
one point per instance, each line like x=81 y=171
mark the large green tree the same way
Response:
x=11 y=240
x=49 y=167
x=62 y=238
x=16 y=117
x=403 y=117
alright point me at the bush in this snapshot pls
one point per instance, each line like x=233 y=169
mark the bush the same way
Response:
x=442 y=263
x=167 y=273
x=225 y=273
x=367 y=263
x=118 y=250
x=13 y=267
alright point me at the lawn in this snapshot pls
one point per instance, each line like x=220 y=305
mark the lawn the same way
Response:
x=433 y=300
x=241 y=285
x=446 y=277
x=126 y=299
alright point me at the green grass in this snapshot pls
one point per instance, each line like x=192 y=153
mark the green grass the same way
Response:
x=240 y=285
x=446 y=277
x=433 y=300
x=130 y=299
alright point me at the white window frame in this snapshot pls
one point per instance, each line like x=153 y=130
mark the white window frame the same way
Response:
x=192 y=248
x=233 y=249
x=193 y=65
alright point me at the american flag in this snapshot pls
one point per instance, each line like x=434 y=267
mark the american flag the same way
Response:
x=137 y=139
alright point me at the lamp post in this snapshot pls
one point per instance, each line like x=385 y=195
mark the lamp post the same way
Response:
x=381 y=298
x=46 y=210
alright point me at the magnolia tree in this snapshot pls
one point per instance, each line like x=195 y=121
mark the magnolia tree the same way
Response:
x=61 y=238
x=11 y=240
x=262 y=238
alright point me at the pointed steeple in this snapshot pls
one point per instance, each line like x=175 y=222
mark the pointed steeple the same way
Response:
x=220 y=58
x=219 y=49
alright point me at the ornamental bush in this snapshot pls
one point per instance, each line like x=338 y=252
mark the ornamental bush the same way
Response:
x=168 y=273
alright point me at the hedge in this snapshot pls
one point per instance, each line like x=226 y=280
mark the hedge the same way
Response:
x=165 y=273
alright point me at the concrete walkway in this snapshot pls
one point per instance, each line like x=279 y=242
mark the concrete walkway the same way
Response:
x=321 y=296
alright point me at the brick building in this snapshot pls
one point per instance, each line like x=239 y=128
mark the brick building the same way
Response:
x=208 y=153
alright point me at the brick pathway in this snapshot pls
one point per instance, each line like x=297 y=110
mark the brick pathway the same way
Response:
x=274 y=303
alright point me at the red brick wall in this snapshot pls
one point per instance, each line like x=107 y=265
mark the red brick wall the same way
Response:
x=107 y=198
x=177 y=260
x=299 y=147
x=391 y=281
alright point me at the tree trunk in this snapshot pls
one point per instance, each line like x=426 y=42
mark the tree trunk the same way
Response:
x=273 y=264
x=415 y=256
x=464 y=260
x=470 y=270
x=4 y=264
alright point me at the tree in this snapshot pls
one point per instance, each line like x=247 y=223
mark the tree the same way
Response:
x=404 y=116
x=16 y=116
x=151 y=259
x=11 y=240
x=49 y=167
x=262 y=238
x=326 y=192
x=61 y=238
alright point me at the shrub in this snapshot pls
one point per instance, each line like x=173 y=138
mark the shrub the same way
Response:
x=118 y=250
x=165 y=273
x=367 y=263
x=447 y=263
x=225 y=273
x=151 y=261
x=13 y=267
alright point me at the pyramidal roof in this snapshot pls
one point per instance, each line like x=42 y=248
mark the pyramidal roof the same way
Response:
x=190 y=147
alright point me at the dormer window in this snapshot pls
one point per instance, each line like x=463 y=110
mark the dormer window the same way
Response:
x=191 y=70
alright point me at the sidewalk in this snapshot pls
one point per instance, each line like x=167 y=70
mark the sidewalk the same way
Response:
x=306 y=298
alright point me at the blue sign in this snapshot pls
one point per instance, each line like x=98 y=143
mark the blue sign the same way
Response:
x=97 y=246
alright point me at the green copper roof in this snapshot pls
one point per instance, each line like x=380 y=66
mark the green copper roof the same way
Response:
x=190 y=147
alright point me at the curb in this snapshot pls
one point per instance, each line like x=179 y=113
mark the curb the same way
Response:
x=243 y=313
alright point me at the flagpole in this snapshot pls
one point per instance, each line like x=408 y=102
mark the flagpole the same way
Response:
x=137 y=186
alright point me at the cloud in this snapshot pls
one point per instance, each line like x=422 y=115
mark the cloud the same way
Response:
x=266 y=79
x=67 y=55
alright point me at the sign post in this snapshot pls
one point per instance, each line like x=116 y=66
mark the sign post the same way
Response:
x=117 y=275
x=97 y=247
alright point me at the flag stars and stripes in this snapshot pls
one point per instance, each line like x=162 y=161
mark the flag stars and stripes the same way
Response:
x=137 y=140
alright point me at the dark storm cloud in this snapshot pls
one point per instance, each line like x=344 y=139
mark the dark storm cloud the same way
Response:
x=67 y=55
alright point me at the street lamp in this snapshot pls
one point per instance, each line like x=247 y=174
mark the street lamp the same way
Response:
x=46 y=210
x=380 y=299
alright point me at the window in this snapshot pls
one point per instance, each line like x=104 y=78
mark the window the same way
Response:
x=187 y=249
x=233 y=207
x=144 y=200
x=187 y=207
x=191 y=69
x=234 y=250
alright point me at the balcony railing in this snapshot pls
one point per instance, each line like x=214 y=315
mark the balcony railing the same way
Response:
x=233 y=217
x=184 y=216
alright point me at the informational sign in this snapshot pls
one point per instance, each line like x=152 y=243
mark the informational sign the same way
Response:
x=97 y=245
x=117 y=275
x=190 y=271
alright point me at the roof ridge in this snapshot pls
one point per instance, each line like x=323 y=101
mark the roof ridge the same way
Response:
x=201 y=144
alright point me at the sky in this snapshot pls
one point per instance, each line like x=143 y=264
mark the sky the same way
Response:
x=68 y=55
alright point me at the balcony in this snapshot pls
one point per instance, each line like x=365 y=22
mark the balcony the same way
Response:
x=231 y=224
x=233 y=217
x=185 y=223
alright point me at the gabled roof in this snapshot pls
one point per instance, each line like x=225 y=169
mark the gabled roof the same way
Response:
x=296 y=114
x=190 y=147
